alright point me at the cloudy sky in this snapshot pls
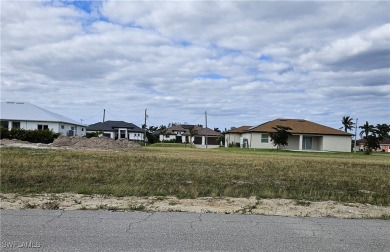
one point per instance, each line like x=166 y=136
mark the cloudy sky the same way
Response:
x=244 y=62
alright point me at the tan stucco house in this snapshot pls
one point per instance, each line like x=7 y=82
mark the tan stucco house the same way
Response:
x=181 y=134
x=306 y=136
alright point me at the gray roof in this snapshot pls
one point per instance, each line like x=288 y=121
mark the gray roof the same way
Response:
x=112 y=125
x=24 y=111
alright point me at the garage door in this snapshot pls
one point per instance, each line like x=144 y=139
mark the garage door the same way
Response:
x=198 y=140
x=212 y=141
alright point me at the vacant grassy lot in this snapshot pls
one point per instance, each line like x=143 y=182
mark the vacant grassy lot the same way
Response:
x=190 y=173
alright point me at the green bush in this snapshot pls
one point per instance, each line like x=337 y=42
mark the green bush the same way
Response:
x=33 y=136
x=93 y=134
x=169 y=141
x=4 y=133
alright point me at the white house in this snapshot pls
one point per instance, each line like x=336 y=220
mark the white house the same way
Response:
x=24 y=115
x=118 y=130
x=306 y=136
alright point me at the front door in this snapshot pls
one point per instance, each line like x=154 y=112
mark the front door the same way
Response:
x=122 y=133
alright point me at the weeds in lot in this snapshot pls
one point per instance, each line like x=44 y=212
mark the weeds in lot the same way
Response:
x=136 y=207
x=28 y=205
x=166 y=171
x=303 y=203
x=51 y=205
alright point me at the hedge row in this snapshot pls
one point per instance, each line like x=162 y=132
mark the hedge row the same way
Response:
x=33 y=136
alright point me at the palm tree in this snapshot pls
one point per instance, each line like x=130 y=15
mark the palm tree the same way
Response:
x=193 y=132
x=366 y=130
x=369 y=133
x=348 y=123
x=163 y=130
x=383 y=130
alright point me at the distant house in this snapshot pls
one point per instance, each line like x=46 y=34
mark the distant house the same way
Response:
x=24 y=115
x=118 y=130
x=181 y=134
x=306 y=136
x=384 y=145
x=234 y=137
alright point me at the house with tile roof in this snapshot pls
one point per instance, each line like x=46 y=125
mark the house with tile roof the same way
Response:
x=118 y=130
x=181 y=134
x=28 y=116
x=234 y=137
x=384 y=145
x=306 y=136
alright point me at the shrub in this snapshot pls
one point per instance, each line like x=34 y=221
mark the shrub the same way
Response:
x=93 y=134
x=169 y=141
x=33 y=136
x=4 y=133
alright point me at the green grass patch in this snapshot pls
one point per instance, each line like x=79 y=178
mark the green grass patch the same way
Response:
x=191 y=173
x=174 y=145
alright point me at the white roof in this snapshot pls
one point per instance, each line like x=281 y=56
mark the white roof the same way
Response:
x=24 y=111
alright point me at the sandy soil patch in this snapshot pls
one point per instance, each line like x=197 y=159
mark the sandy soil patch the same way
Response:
x=282 y=207
x=98 y=143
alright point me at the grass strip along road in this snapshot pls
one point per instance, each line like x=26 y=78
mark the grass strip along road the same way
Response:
x=191 y=173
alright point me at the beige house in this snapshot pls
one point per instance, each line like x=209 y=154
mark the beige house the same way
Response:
x=306 y=136
x=234 y=137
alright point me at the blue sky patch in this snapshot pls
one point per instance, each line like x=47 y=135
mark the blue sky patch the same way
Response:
x=265 y=58
x=184 y=43
x=86 y=6
x=213 y=76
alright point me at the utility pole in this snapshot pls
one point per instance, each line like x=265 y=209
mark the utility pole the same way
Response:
x=205 y=114
x=104 y=117
x=145 y=127
x=356 y=126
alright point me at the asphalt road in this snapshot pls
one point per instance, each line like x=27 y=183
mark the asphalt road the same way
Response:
x=46 y=230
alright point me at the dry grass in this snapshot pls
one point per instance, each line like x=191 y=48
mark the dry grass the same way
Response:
x=190 y=173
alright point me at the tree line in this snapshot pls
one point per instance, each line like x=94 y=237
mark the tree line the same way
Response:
x=370 y=135
x=153 y=132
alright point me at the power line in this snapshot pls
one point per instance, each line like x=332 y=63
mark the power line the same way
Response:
x=86 y=119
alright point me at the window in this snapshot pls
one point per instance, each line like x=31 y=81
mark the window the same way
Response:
x=16 y=125
x=264 y=138
x=307 y=143
x=62 y=126
x=43 y=127
x=82 y=129
x=4 y=124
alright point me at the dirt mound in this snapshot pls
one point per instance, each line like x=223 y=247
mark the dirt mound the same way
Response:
x=94 y=143
x=12 y=141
